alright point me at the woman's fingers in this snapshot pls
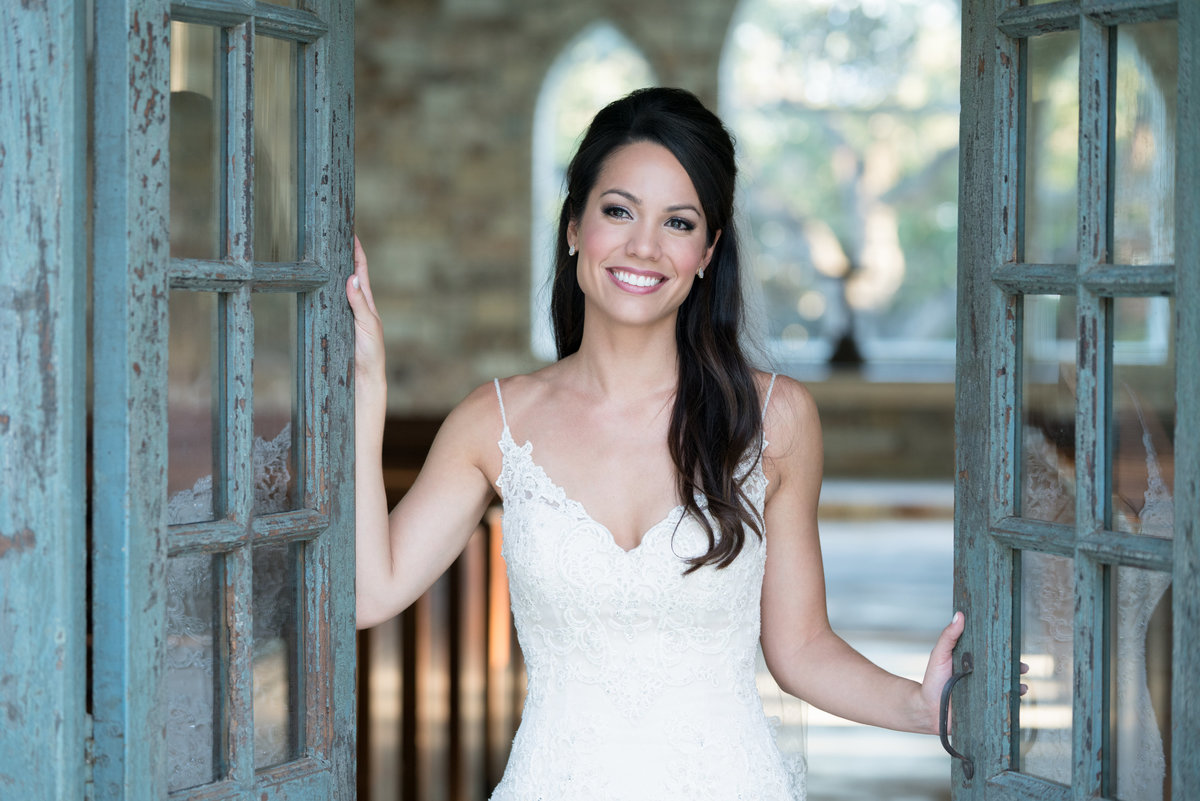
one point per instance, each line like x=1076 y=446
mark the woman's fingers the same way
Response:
x=941 y=664
x=368 y=334
x=943 y=650
x=358 y=291
x=361 y=278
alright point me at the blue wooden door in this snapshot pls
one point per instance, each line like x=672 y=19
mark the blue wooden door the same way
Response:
x=222 y=497
x=43 y=284
x=1077 y=549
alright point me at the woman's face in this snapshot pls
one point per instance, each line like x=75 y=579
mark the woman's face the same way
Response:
x=641 y=236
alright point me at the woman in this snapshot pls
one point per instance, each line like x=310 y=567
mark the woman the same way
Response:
x=643 y=475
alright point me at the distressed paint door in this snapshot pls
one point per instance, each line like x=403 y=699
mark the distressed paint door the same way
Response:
x=43 y=495
x=1078 y=422
x=222 y=499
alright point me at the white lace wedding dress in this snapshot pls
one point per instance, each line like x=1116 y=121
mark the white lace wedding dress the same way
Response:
x=1048 y=608
x=641 y=679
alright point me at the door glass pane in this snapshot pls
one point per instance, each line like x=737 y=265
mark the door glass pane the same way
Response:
x=278 y=692
x=1052 y=149
x=1144 y=194
x=195 y=142
x=276 y=144
x=192 y=324
x=1047 y=487
x=1047 y=631
x=1140 y=684
x=1142 y=470
x=190 y=663
x=275 y=402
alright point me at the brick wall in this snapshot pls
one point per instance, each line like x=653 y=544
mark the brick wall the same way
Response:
x=446 y=92
x=445 y=98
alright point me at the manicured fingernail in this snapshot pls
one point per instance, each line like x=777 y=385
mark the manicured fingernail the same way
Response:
x=355 y=282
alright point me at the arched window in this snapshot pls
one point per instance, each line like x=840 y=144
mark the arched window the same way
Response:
x=596 y=67
x=846 y=114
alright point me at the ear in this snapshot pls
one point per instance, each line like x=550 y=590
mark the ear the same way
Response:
x=708 y=252
x=573 y=234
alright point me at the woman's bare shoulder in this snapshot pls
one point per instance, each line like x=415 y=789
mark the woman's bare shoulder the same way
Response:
x=791 y=423
x=473 y=426
x=474 y=429
x=510 y=391
x=789 y=399
x=525 y=394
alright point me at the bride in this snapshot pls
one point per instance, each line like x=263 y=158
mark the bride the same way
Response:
x=660 y=495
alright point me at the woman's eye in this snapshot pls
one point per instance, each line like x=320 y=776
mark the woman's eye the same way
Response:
x=680 y=224
x=619 y=212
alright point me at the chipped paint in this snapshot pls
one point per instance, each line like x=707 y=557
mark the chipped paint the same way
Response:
x=989 y=377
x=42 y=391
x=21 y=541
x=132 y=279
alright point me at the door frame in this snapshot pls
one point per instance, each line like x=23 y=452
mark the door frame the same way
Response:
x=133 y=275
x=43 y=388
x=990 y=281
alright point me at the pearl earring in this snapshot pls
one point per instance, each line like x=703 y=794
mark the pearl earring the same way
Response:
x=570 y=250
x=701 y=273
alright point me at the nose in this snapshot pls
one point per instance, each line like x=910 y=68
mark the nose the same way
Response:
x=643 y=242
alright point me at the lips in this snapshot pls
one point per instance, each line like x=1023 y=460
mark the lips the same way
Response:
x=636 y=280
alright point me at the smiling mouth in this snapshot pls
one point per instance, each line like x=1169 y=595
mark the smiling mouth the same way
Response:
x=633 y=279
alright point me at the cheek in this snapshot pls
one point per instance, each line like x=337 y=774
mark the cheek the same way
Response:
x=596 y=240
x=690 y=255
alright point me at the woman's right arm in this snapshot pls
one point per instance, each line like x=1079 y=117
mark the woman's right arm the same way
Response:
x=399 y=555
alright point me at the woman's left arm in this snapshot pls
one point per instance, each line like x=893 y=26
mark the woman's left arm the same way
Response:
x=802 y=651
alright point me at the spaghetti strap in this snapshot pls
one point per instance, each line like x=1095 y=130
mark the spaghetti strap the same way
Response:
x=500 y=398
x=766 y=402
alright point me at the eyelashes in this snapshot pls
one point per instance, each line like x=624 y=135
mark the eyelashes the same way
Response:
x=675 y=223
x=618 y=212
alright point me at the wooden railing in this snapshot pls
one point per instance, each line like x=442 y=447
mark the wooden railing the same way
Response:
x=441 y=685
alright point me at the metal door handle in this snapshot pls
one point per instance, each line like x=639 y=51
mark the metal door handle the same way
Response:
x=968 y=664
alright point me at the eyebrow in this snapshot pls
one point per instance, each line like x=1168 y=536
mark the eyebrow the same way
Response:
x=632 y=198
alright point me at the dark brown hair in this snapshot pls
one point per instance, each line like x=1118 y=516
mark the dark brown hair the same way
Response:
x=716 y=418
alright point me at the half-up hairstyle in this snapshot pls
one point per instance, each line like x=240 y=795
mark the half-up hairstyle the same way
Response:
x=716 y=418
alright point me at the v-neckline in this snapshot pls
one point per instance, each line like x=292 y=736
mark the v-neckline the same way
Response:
x=672 y=516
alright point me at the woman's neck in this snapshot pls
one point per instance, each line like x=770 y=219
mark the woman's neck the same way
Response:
x=627 y=361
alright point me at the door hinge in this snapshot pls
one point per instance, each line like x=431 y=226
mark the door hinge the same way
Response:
x=89 y=759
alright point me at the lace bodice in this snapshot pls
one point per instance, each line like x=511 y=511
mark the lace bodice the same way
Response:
x=641 y=678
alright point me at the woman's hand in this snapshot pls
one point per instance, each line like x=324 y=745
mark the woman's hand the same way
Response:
x=368 y=329
x=940 y=668
x=398 y=555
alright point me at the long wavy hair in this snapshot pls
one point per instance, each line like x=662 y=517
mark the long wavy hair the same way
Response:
x=716 y=418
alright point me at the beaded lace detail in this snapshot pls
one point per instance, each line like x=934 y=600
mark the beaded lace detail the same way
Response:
x=641 y=678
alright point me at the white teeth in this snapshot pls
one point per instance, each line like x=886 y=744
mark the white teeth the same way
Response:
x=635 y=280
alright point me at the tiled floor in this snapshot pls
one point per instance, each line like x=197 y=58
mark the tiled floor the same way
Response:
x=888 y=587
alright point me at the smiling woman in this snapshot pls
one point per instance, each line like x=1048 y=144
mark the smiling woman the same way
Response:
x=635 y=541
x=596 y=67
x=642 y=232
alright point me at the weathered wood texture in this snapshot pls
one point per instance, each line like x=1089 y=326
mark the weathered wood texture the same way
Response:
x=131 y=103
x=979 y=565
x=322 y=705
x=1092 y=409
x=992 y=280
x=331 y=231
x=1185 y=701
x=42 y=401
